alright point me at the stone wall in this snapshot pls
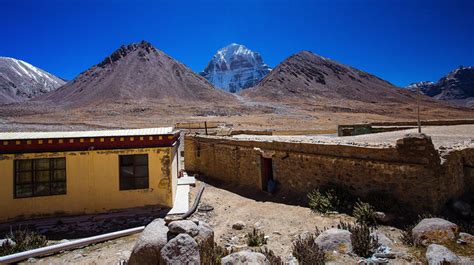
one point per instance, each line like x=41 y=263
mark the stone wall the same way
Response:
x=412 y=171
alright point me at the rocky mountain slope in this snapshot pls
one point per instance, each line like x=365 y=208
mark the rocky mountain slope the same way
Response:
x=457 y=87
x=235 y=67
x=20 y=81
x=136 y=72
x=307 y=76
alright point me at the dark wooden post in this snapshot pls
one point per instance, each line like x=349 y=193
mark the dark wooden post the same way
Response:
x=205 y=126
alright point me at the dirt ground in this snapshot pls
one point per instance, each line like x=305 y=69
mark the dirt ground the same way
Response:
x=281 y=222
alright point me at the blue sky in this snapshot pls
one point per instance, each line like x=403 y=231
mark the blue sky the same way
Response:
x=401 y=41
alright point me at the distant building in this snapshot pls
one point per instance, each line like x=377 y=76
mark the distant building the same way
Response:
x=44 y=173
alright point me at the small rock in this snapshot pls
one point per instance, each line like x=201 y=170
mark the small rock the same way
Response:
x=183 y=226
x=182 y=249
x=245 y=258
x=435 y=254
x=7 y=241
x=384 y=218
x=31 y=260
x=239 y=225
x=434 y=230
x=78 y=256
x=276 y=233
x=258 y=225
x=291 y=261
x=335 y=240
x=468 y=238
x=383 y=239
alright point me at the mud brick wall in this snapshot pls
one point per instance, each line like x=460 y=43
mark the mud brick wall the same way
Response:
x=412 y=171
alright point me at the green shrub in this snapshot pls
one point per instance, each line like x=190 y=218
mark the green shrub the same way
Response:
x=24 y=240
x=331 y=198
x=406 y=236
x=256 y=239
x=306 y=251
x=271 y=256
x=363 y=244
x=212 y=254
x=364 y=213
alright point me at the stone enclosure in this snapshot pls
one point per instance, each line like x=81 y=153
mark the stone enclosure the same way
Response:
x=412 y=170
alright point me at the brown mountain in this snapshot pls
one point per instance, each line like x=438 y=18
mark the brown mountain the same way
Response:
x=136 y=72
x=309 y=76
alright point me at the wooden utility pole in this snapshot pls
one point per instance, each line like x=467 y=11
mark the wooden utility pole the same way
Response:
x=418 y=108
x=205 y=126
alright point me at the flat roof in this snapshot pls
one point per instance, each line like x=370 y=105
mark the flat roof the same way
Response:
x=446 y=136
x=85 y=134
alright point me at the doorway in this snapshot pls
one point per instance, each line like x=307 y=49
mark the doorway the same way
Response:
x=267 y=172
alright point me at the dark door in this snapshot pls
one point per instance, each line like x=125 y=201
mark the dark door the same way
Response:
x=267 y=172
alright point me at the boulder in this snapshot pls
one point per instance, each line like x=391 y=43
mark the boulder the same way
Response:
x=182 y=249
x=245 y=258
x=434 y=230
x=335 y=239
x=435 y=254
x=239 y=225
x=183 y=226
x=205 y=234
x=149 y=244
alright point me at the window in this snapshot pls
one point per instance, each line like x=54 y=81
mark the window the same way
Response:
x=133 y=172
x=40 y=177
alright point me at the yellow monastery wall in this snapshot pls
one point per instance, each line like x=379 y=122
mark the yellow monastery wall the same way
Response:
x=92 y=180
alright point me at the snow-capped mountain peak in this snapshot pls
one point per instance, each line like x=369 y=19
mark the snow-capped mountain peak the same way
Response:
x=235 y=67
x=423 y=86
x=20 y=80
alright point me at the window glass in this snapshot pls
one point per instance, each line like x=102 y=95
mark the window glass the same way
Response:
x=141 y=171
x=126 y=172
x=24 y=165
x=59 y=163
x=58 y=188
x=41 y=189
x=23 y=191
x=141 y=160
x=59 y=175
x=133 y=172
x=40 y=177
x=24 y=177
x=126 y=160
x=41 y=164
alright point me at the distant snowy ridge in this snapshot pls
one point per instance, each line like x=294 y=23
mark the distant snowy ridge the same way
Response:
x=20 y=81
x=235 y=67
x=457 y=87
x=423 y=85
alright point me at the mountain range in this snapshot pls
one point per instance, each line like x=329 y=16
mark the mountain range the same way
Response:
x=20 y=81
x=139 y=72
x=456 y=87
x=235 y=67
